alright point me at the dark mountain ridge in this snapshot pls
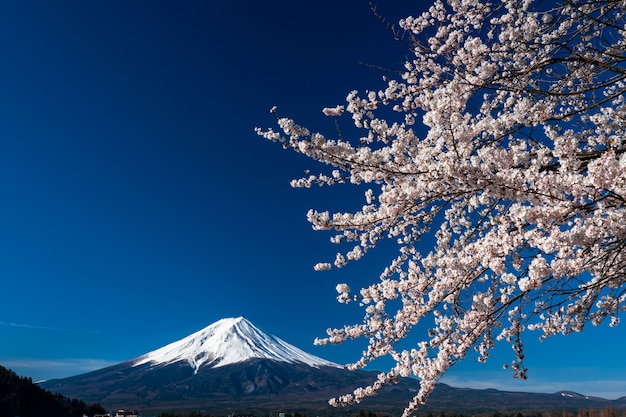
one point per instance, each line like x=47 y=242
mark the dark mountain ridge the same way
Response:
x=232 y=367
x=262 y=387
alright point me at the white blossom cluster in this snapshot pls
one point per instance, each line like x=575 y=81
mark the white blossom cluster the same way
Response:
x=520 y=178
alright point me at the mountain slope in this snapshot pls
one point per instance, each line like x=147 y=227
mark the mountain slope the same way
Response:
x=143 y=386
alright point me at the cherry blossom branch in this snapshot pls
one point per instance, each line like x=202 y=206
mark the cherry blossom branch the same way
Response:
x=503 y=182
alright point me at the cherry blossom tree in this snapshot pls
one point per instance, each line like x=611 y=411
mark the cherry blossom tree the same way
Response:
x=503 y=141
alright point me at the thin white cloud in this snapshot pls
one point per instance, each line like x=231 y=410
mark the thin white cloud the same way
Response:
x=35 y=327
x=23 y=326
x=608 y=388
x=42 y=369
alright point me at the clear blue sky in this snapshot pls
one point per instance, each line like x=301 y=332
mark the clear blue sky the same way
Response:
x=138 y=206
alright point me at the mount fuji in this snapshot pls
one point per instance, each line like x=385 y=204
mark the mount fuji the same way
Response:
x=229 y=361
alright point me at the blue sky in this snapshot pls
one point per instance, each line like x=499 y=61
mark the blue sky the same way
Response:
x=137 y=205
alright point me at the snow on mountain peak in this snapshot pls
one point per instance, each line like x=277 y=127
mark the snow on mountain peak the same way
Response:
x=229 y=341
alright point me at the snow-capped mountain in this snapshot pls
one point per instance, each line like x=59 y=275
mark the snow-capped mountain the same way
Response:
x=230 y=341
x=230 y=360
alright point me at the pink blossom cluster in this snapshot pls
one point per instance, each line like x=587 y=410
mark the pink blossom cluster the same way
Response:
x=509 y=152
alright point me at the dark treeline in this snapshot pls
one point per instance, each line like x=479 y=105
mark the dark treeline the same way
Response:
x=287 y=414
x=604 y=412
x=19 y=396
x=587 y=412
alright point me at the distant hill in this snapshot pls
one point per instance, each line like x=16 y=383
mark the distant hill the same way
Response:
x=233 y=367
x=19 y=396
